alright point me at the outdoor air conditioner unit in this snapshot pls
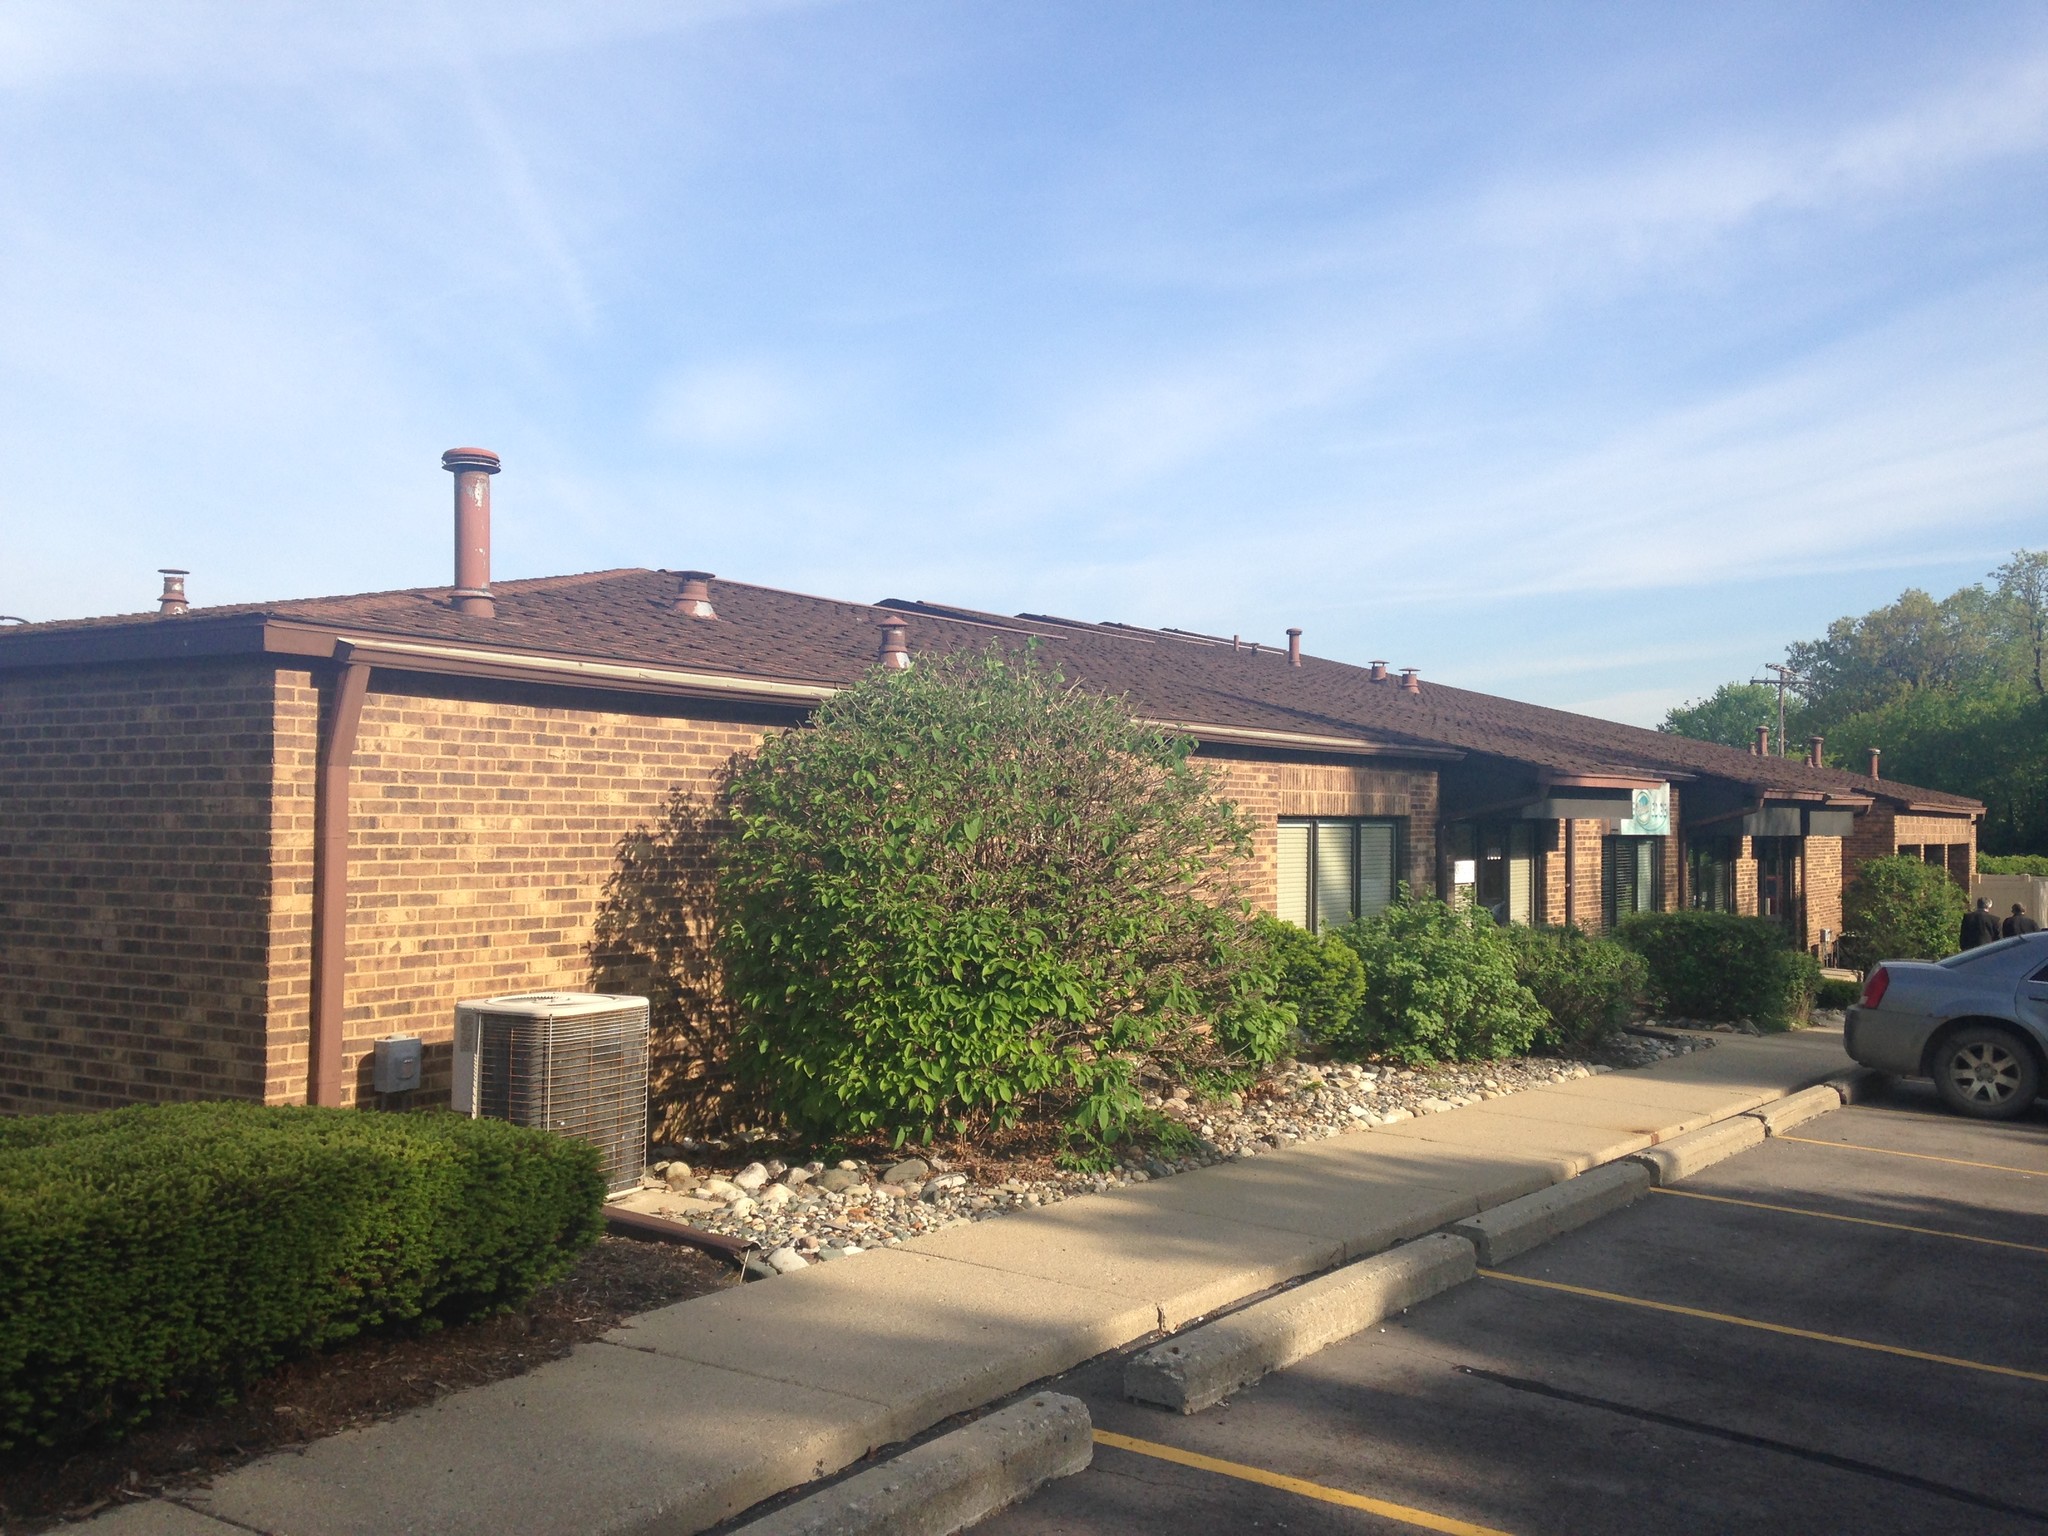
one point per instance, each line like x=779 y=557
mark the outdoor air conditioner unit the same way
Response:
x=570 y=1062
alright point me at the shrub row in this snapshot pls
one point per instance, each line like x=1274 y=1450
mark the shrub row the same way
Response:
x=2012 y=864
x=1424 y=982
x=1717 y=966
x=171 y=1252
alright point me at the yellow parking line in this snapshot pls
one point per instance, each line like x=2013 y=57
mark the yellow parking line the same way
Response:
x=1286 y=1484
x=1780 y=1328
x=1925 y=1157
x=1861 y=1221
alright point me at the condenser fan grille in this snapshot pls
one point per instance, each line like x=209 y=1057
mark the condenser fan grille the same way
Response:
x=583 y=1076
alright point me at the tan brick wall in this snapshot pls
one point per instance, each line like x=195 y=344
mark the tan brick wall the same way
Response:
x=1266 y=786
x=295 y=750
x=1747 y=893
x=1821 y=876
x=1880 y=832
x=135 y=883
x=481 y=833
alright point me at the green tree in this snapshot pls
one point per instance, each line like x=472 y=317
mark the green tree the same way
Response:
x=1951 y=691
x=1912 y=645
x=1991 y=745
x=1729 y=715
x=2023 y=592
x=967 y=894
x=1901 y=909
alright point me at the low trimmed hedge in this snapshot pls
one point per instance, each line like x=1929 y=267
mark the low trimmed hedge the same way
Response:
x=1588 y=986
x=1717 y=966
x=1317 y=974
x=1833 y=992
x=173 y=1252
x=1439 y=986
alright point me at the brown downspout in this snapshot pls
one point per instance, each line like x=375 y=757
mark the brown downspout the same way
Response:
x=330 y=881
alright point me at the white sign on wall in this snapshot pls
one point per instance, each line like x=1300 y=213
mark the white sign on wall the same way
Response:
x=1650 y=816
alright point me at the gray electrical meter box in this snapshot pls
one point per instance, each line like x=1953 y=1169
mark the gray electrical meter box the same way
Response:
x=395 y=1066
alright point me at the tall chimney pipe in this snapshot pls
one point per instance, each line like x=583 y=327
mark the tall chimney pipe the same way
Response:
x=895 y=652
x=1813 y=746
x=1873 y=762
x=1294 y=647
x=694 y=601
x=1411 y=680
x=173 y=599
x=472 y=469
x=1763 y=741
x=1377 y=672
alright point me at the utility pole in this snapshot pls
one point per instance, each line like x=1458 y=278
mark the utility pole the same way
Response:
x=1786 y=678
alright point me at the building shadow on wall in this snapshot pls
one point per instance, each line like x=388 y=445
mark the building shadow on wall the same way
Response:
x=655 y=937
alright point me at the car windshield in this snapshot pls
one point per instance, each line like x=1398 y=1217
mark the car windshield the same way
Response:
x=1982 y=952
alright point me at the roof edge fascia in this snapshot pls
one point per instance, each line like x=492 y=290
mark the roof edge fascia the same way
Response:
x=1250 y=736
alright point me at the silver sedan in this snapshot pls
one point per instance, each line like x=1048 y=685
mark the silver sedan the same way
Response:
x=1977 y=1023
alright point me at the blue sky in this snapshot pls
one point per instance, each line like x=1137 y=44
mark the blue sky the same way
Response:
x=1586 y=354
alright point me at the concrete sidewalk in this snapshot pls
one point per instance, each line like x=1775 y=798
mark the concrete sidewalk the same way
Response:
x=695 y=1412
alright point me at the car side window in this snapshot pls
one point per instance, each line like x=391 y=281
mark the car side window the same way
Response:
x=2040 y=975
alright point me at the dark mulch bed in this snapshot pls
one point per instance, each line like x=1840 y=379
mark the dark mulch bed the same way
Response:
x=364 y=1380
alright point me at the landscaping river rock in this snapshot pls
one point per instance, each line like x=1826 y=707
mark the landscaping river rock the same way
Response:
x=796 y=1215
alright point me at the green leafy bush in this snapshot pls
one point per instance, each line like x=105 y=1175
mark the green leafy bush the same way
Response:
x=1317 y=974
x=968 y=894
x=1439 y=986
x=1836 y=993
x=1899 y=908
x=1718 y=966
x=2012 y=864
x=1588 y=986
x=174 y=1251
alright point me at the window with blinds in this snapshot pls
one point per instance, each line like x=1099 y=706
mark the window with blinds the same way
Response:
x=1334 y=869
x=1631 y=872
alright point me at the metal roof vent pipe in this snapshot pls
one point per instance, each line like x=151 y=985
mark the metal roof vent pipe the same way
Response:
x=1377 y=672
x=1411 y=680
x=173 y=600
x=694 y=601
x=1294 y=647
x=1813 y=746
x=895 y=652
x=472 y=469
x=1873 y=762
x=1763 y=742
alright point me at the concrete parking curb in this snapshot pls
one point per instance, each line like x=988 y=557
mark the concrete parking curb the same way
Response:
x=949 y=1483
x=1857 y=1086
x=1683 y=1156
x=1207 y=1364
x=1782 y=1114
x=1506 y=1230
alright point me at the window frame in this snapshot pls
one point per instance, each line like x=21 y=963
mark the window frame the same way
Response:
x=1396 y=824
x=1610 y=887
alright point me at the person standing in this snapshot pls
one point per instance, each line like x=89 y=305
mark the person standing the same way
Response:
x=2020 y=922
x=1980 y=924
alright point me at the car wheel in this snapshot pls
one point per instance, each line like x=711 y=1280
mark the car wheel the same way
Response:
x=1986 y=1073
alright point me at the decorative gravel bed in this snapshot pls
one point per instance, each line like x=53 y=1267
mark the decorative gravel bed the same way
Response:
x=801 y=1214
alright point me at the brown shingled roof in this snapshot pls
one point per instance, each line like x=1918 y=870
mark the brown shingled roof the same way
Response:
x=762 y=632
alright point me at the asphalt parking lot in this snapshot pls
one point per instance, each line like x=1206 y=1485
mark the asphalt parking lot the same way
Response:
x=1845 y=1329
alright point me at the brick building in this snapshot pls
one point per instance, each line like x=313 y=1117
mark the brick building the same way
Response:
x=239 y=844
